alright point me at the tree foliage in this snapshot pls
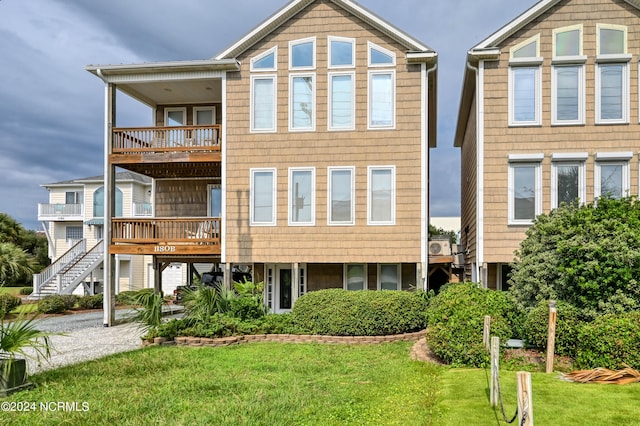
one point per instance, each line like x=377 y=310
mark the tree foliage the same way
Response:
x=22 y=252
x=588 y=256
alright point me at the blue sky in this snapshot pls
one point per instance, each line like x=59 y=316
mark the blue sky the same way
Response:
x=51 y=109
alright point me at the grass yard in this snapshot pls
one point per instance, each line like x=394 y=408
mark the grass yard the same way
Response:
x=302 y=384
x=15 y=291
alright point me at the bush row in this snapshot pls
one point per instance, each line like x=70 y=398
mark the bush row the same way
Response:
x=456 y=315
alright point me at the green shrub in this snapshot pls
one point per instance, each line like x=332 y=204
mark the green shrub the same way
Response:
x=126 y=297
x=246 y=308
x=456 y=322
x=69 y=300
x=278 y=324
x=611 y=341
x=52 y=305
x=25 y=291
x=91 y=302
x=8 y=303
x=340 y=312
x=567 y=325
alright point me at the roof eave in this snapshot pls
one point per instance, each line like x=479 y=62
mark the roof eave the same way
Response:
x=157 y=67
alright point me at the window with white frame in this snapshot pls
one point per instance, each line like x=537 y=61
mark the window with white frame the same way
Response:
x=612 y=74
x=341 y=52
x=204 y=116
x=379 y=56
x=302 y=102
x=612 y=174
x=215 y=201
x=382 y=99
x=175 y=117
x=341 y=201
x=74 y=233
x=342 y=101
x=525 y=83
x=567 y=78
x=355 y=277
x=266 y=61
x=389 y=277
x=568 y=179
x=525 y=188
x=263 y=103
x=263 y=197
x=73 y=197
x=381 y=195
x=302 y=196
x=302 y=54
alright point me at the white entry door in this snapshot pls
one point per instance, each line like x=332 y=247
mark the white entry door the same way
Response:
x=282 y=287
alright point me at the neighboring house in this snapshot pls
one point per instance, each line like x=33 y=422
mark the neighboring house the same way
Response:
x=549 y=114
x=299 y=153
x=73 y=221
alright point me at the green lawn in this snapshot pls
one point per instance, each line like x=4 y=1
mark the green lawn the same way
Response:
x=303 y=384
x=10 y=290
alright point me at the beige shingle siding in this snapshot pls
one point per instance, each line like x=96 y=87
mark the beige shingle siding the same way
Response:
x=500 y=239
x=320 y=149
x=469 y=190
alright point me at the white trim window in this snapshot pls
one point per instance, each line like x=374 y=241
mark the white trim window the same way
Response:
x=389 y=277
x=341 y=52
x=175 y=117
x=525 y=189
x=379 y=56
x=381 y=195
x=302 y=102
x=267 y=61
x=355 y=277
x=263 y=103
x=567 y=77
x=74 y=232
x=342 y=101
x=302 y=196
x=204 y=116
x=302 y=54
x=263 y=197
x=568 y=176
x=612 y=74
x=341 y=196
x=382 y=99
x=525 y=82
x=611 y=176
x=214 y=195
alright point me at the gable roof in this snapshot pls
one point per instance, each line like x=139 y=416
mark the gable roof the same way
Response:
x=124 y=176
x=296 y=6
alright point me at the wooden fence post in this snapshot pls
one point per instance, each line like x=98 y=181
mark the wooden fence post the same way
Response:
x=495 y=370
x=525 y=399
x=551 y=339
x=486 y=333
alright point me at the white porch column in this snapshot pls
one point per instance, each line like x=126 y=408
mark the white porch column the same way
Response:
x=109 y=304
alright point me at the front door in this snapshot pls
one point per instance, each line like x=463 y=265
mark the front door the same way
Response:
x=284 y=299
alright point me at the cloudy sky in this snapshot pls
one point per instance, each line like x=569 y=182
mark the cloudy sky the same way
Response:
x=51 y=109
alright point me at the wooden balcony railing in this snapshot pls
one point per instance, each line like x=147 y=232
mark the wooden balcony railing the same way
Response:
x=167 y=231
x=133 y=140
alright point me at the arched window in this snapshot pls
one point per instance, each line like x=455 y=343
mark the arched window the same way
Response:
x=98 y=202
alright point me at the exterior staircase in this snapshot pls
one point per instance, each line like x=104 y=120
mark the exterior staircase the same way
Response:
x=69 y=271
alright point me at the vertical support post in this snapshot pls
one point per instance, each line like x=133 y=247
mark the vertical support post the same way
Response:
x=295 y=282
x=157 y=275
x=109 y=303
x=525 y=399
x=495 y=370
x=551 y=339
x=486 y=333
x=227 y=275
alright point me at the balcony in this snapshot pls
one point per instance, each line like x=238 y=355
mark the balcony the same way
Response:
x=60 y=212
x=168 y=152
x=142 y=210
x=166 y=236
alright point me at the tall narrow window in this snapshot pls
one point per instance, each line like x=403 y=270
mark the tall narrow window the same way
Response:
x=524 y=84
x=381 y=195
x=612 y=74
x=567 y=78
x=302 y=102
x=568 y=183
x=525 y=193
x=98 y=202
x=341 y=196
x=263 y=197
x=215 y=201
x=341 y=101
x=302 y=196
x=355 y=277
x=263 y=103
x=381 y=99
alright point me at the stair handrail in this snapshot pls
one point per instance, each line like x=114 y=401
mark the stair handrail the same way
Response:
x=52 y=270
x=98 y=248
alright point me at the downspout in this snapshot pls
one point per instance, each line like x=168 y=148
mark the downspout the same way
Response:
x=479 y=272
x=425 y=179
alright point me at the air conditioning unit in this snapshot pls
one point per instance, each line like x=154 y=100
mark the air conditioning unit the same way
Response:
x=439 y=248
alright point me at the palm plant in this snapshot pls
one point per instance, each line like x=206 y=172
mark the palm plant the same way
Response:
x=14 y=263
x=21 y=334
x=149 y=313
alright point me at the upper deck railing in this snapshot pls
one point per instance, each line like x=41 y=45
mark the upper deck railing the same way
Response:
x=133 y=140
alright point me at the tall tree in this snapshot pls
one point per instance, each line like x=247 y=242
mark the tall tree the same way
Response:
x=15 y=264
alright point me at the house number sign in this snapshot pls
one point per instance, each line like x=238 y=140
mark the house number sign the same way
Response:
x=164 y=249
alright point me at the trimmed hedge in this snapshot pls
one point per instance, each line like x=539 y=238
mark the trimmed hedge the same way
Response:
x=339 y=312
x=567 y=327
x=611 y=341
x=25 y=291
x=91 y=302
x=456 y=322
x=8 y=303
x=52 y=305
